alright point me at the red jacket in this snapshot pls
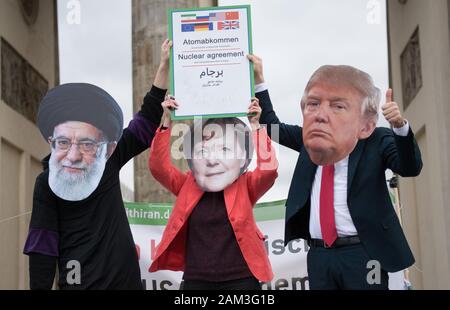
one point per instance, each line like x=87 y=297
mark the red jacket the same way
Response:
x=240 y=197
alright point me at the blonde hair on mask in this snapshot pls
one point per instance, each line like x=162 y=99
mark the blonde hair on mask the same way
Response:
x=349 y=76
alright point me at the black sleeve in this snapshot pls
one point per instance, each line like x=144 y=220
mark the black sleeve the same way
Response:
x=138 y=136
x=42 y=244
x=400 y=154
x=288 y=135
x=151 y=108
x=42 y=271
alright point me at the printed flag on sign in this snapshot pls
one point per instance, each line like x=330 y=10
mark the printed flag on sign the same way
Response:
x=225 y=21
x=196 y=27
x=228 y=25
x=192 y=22
x=193 y=18
x=220 y=16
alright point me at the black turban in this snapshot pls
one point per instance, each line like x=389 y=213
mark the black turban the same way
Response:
x=80 y=102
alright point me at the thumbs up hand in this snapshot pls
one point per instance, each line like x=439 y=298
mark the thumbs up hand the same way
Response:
x=391 y=111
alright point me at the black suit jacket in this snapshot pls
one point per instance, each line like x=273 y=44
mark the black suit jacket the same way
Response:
x=368 y=198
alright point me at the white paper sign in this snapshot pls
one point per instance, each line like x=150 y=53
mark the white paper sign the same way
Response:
x=210 y=73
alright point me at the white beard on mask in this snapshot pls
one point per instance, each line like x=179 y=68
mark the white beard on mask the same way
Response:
x=76 y=186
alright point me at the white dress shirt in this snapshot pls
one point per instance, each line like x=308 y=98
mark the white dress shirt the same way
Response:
x=344 y=222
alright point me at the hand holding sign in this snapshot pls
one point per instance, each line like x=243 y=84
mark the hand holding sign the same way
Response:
x=257 y=68
x=254 y=113
x=165 y=52
x=168 y=106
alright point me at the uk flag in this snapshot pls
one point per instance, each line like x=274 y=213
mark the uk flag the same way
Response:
x=228 y=25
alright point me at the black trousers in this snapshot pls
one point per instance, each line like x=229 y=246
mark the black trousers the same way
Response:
x=240 y=284
x=344 y=268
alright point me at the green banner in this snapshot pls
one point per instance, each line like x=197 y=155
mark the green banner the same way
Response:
x=158 y=213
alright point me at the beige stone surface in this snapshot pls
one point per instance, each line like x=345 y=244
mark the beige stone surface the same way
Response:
x=425 y=199
x=21 y=144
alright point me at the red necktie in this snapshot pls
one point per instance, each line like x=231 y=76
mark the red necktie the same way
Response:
x=327 y=222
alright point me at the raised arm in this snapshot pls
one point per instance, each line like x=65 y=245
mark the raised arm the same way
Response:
x=162 y=75
x=260 y=180
x=141 y=129
x=398 y=146
x=287 y=135
x=159 y=162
